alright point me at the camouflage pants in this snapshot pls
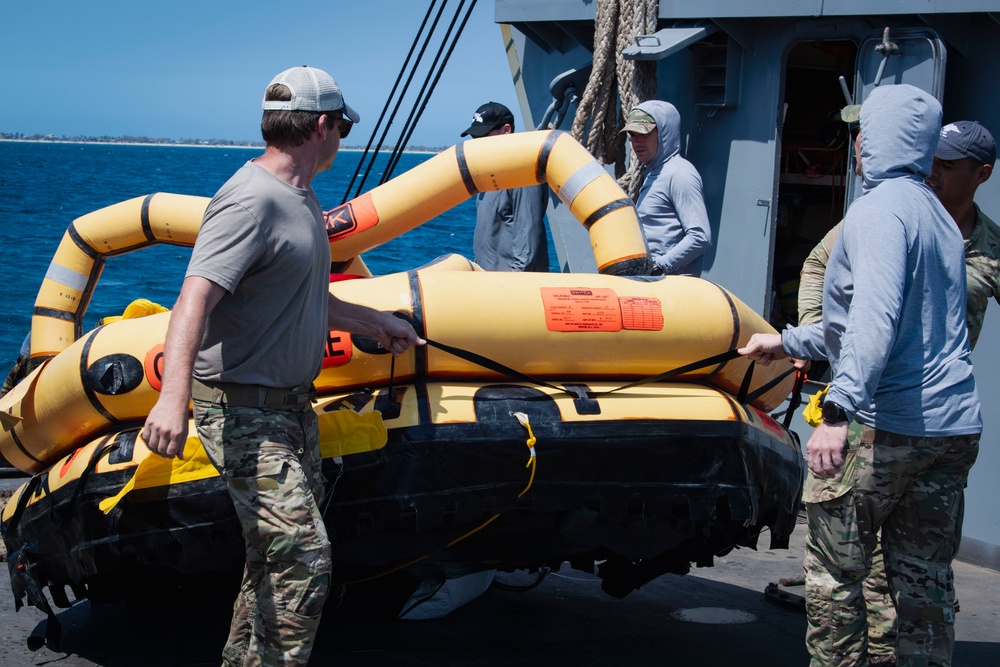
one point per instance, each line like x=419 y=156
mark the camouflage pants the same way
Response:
x=912 y=489
x=879 y=608
x=271 y=463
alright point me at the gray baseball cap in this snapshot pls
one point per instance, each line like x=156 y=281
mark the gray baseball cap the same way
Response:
x=312 y=90
x=966 y=138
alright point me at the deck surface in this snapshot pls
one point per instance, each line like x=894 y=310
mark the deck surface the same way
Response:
x=714 y=617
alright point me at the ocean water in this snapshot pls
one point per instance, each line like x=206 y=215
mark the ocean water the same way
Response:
x=45 y=186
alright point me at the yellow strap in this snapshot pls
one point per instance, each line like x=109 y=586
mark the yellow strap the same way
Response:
x=523 y=419
x=341 y=433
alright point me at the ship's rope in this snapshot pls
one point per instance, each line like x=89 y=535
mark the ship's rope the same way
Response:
x=421 y=42
x=616 y=85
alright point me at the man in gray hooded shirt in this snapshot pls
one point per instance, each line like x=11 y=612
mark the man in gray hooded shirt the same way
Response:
x=901 y=421
x=670 y=203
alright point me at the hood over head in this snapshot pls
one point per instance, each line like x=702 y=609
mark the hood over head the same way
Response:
x=668 y=125
x=900 y=127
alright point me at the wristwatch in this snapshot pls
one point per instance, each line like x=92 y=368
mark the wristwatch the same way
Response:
x=833 y=413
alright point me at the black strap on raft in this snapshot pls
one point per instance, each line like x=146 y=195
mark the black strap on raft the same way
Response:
x=745 y=395
x=794 y=401
x=687 y=368
x=492 y=365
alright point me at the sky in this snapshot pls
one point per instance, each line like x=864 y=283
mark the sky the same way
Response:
x=198 y=69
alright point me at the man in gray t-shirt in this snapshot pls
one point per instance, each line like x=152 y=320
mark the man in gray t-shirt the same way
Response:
x=245 y=341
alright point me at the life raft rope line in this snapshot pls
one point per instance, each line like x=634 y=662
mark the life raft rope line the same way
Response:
x=522 y=418
x=599 y=116
x=745 y=396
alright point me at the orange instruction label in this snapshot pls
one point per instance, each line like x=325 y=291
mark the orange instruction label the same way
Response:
x=641 y=312
x=581 y=309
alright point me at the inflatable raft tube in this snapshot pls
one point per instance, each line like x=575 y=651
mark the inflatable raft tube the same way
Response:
x=681 y=465
x=580 y=327
x=497 y=163
x=416 y=196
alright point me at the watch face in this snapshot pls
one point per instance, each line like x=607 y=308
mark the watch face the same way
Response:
x=833 y=413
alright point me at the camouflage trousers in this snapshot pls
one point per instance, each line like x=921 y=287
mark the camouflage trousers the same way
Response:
x=271 y=463
x=912 y=490
x=880 y=610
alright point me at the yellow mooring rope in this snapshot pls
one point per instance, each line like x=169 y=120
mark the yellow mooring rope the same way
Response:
x=532 y=463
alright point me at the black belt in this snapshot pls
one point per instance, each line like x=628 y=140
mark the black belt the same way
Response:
x=252 y=395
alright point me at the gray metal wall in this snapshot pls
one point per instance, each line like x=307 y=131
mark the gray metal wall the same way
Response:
x=736 y=150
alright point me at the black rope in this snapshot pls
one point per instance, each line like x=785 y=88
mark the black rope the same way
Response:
x=766 y=387
x=421 y=104
x=794 y=401
x=492 y=365
x=680 y=370
x=745 y=396
x=399 y=101
x=385 y=108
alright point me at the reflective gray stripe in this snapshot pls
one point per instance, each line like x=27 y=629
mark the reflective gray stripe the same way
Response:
x=583 y=177
x=67 y=277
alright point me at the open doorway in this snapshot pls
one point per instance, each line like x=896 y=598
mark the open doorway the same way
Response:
x=815 y=160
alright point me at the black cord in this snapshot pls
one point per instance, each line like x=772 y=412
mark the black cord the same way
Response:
x=388 y=101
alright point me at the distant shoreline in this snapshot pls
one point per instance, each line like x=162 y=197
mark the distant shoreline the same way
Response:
x=346 y=149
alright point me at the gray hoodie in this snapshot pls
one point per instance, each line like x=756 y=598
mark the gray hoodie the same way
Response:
x=670 y=203
x=894 y=293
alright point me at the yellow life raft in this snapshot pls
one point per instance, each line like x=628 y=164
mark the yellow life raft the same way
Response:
x=536 y=427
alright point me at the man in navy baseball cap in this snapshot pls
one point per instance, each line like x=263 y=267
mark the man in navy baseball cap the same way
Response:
x=967 y=139
x=964 y=159
x=490 y=119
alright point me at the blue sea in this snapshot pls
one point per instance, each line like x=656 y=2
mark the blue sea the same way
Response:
x=45 y=186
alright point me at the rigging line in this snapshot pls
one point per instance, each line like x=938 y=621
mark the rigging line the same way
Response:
x=415 y=117
x=409 y=79
x=401 y=143
x=423 y=100
x=388 y=101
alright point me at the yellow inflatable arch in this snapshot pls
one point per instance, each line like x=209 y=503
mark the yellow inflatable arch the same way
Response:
x=414 y=197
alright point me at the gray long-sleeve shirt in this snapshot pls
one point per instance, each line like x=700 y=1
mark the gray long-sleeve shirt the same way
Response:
x=894 y=293
x=670 y=204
